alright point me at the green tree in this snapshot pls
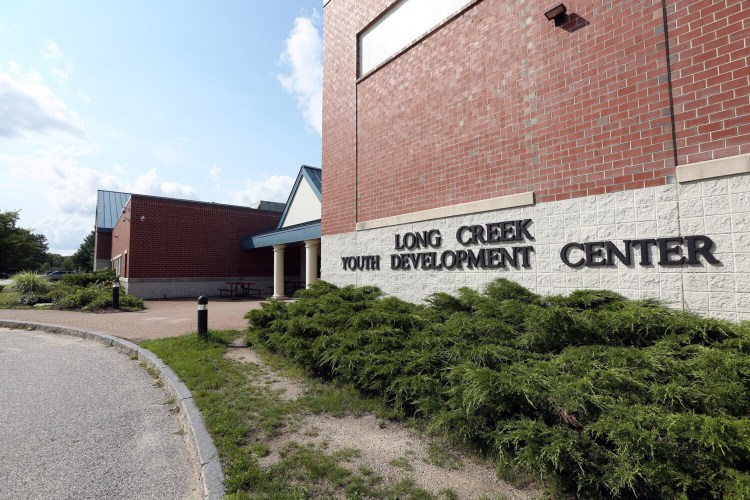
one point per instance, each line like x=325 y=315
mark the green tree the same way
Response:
x=83 y=259
x=56 y=261
x=20 y=248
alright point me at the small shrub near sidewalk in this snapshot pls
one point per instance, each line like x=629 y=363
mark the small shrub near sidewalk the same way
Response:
x=83 y=280
x=27 y=282
x=91 y=292
x=598 y=395
x=31 y=288
x=82 y=292
x=9 y=300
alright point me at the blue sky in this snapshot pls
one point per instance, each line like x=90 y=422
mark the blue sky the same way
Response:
x=214 y=101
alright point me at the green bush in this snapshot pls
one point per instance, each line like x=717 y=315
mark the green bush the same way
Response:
x=95 y=296
x=27 y=282
x=82 y=292
x=103 y=277
x=32 y=299
x=103 y=300
x=600 y=395
x=9 y=300
x=78 y=297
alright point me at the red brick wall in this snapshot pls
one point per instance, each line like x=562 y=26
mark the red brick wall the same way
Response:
x=710 y=44
x=187 y=239
x=121 y=236
x=342 y=20
x=500 y=101
x=103 y=245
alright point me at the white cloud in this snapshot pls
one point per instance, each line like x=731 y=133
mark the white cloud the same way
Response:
x=31 y=108
x=61 y=74
x=63 y=183
x=303 y=54
x=71 y=188
x=84 y=97
x=63 y=68
x=214 y=175
x=51 y=50
x=66 y=189
x=150 y=183
x=174 y=152
x=64 y=233
x=274 y=188
x=116 y=135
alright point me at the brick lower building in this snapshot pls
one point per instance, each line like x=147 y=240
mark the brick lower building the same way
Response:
x=599 y=145
x=167 y=248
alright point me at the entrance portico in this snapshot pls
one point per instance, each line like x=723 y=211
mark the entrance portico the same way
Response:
x=278 y=271
x=312 y=270
x=309 y=268
x=298 y=231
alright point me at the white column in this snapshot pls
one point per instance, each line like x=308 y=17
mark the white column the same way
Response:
x=278 y=272
x=311 y=261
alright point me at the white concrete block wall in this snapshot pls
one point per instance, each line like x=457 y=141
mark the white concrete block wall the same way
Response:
x=717 y=208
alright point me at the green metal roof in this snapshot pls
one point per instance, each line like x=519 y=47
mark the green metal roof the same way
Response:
x=109 y=205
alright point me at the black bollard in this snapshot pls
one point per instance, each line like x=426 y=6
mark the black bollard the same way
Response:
x=202 y=317
x=116 y=294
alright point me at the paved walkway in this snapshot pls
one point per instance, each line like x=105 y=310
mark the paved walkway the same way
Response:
x=80 y=420
x=162 y=318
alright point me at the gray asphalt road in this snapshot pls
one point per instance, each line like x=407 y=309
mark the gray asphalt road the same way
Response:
x=80 y=420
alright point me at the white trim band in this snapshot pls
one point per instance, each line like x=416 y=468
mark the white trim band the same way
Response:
x=510 y=201
x=714 y=168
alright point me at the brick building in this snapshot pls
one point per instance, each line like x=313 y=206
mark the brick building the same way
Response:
x=605 y=147
x=167 y=248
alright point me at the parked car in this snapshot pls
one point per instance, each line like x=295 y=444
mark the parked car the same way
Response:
x=4 y=276
x=56 y=275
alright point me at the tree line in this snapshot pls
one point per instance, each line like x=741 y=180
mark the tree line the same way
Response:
x=22 y=249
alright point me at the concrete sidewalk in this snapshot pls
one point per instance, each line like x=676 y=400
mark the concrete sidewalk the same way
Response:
x=162 y=318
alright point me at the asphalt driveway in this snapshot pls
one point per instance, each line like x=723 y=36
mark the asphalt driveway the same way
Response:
x=80 y=420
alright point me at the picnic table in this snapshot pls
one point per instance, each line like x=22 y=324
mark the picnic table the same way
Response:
x=239 y=289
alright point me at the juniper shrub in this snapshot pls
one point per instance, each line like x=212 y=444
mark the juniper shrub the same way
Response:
x=600 y=395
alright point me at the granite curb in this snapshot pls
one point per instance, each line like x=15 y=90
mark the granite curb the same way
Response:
x=211 y=474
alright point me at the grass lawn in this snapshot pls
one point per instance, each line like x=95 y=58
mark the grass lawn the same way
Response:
x=243 y=414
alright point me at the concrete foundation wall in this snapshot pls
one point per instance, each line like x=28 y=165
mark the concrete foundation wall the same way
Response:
x=718 y=208
x=173 y=288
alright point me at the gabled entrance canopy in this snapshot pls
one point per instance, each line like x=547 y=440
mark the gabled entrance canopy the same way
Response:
x=301 y=218
x=299 y=224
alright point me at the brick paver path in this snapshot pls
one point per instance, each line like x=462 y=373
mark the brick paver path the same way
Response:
x=162 y=318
